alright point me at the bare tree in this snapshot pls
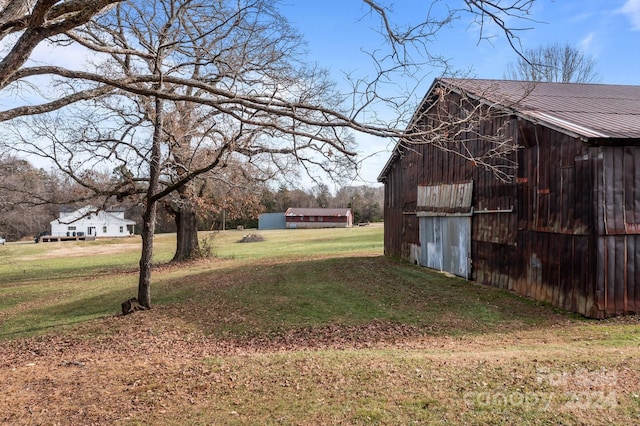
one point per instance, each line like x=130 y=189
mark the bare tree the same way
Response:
x=20 y=183
x=198 y=85
x=554 y=63
x=235 y=65
x=407 y=49
x=365 y=202
x=322 y=194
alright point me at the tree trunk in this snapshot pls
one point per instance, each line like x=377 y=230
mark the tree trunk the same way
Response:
x=187 y=246
x=149 y=215
x=148 y=230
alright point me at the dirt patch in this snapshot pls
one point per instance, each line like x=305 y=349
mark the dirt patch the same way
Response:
x=64 y=249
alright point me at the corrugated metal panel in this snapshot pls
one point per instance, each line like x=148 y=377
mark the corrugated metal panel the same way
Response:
x=618 y=282
x=594 y=111
x=620 y=190
x=446 y=244
x=445 y=197
x=271 y=221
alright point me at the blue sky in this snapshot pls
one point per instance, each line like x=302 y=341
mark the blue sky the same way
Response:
x=609 y=30
x=337 y=30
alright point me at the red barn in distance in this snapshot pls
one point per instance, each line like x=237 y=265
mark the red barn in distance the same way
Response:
x=318 y=218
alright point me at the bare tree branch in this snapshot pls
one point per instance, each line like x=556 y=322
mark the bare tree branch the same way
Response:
x=46 y=19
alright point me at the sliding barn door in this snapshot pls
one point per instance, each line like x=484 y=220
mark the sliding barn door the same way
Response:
x=446 y=243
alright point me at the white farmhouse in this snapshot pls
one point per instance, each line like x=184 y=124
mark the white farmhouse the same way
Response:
x=92 y=222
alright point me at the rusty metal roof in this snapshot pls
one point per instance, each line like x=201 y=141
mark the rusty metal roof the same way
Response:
x=596 y=113
x=292 y=211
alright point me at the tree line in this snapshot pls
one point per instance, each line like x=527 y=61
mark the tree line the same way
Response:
x=31 y=197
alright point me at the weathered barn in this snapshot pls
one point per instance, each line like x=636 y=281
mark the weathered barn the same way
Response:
x=318 y=218
x=529 y=187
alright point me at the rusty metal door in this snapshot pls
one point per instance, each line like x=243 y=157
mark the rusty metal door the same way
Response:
x=446 y=243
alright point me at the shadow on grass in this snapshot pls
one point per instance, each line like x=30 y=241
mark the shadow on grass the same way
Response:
x=277 y=296
x=346 y=291
x=62 y=312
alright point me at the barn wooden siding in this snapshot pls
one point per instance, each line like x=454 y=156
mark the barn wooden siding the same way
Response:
x=556 y=220
x=577 y=220
x=565 y=230
x=617 y=189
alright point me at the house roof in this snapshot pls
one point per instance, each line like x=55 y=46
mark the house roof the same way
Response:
x=597 y=114
x=292 y=211
x=71 y=209
x=76 y=215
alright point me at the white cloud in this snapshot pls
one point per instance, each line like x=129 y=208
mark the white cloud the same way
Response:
x=591 y=44
x=632 y=9
x=587 y=43
x=72 y=56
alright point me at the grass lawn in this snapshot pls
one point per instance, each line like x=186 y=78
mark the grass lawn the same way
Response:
x=305 y=327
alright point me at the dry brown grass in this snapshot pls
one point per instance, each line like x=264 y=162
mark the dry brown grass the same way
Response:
x=61 y=250
x=311 y=339
x=149 y=368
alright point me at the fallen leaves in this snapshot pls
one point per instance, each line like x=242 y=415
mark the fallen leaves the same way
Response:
x=147 y=367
